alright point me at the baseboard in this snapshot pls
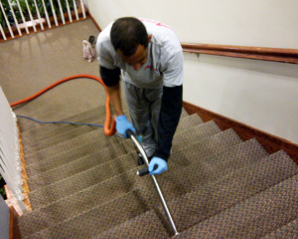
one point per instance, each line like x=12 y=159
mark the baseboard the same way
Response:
x=93 y=20
x=270 y=142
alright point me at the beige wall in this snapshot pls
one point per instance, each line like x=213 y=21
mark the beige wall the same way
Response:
x=261 y=94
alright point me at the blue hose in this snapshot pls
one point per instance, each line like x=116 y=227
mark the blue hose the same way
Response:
x=63 y=122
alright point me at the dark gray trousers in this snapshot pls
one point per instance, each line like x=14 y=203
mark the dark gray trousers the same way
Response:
x=144 y=108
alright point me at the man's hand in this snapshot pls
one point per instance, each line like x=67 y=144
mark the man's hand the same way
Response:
x=123 y=124
x=162 y=166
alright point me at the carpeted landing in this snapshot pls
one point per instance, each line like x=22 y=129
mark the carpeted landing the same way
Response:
x=84 y=184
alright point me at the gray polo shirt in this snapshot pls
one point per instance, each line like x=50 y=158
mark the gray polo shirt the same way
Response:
x=165 y=61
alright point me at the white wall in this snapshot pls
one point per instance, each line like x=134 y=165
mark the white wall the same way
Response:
x=261 y=94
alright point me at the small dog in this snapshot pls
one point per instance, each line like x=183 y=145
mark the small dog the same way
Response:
x=88 y=52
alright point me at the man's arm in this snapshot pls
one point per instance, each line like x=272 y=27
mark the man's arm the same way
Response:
x=111 y=78
x=171 y=108
x=114 y=92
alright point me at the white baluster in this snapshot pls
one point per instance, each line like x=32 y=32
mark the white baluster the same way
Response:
x=6 y=20
x=54 y=13
x=47 y=14
x=61 y=12
x=68 y=10
x=76 y=9
x=14 y=18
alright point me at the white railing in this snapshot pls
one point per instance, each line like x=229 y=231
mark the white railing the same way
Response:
x=15 y=17
x=10 y=161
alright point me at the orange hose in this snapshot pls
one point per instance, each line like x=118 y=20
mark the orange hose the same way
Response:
x=107 y=129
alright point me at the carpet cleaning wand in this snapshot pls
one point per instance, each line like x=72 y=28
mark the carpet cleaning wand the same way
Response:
x=144 y=171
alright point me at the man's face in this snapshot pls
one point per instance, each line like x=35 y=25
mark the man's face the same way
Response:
x=138 y=59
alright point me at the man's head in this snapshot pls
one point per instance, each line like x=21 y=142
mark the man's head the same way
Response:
x=130 y=39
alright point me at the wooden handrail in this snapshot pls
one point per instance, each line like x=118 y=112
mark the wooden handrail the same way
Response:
x=258 y=53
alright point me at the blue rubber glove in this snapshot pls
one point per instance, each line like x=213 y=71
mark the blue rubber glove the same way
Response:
x=123 y=124
x=162 y=166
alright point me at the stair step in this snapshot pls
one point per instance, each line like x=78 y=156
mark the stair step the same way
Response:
x=288 y=231
x=43 y=137
x=147 y=225
x=45 y=160
x=183 y=113
x=27 y=126
x=46 y=138
x=58 y=133
x=189 y=122
x=182 y=138
x=98 y=219
x=32 y=155
x=79 y=200
x=35 y=131
x=204 y=130
x=106 y=168
x=92 y=176
x=74 y=142
x=254 y=217
x=186 y=178
x=210 y=199
x=57 y=173
x=92 y=149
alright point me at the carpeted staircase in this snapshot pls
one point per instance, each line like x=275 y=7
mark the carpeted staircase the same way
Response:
x=84 y=184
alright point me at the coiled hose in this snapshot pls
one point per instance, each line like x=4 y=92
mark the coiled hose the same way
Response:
x=109 y=128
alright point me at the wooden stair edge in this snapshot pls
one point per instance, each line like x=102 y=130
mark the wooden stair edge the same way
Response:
x=14 y=230
x=11 y=201
x=270 y=142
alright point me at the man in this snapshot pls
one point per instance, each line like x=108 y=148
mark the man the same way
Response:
x=150 y=58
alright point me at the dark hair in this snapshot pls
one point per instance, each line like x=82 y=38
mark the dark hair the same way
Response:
x=127 y=33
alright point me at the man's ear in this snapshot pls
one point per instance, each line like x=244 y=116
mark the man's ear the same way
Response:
x=149 y=38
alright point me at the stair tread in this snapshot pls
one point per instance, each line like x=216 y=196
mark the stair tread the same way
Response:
x=98 y=219
x=183 y=180
x=113 y=151
x=91 y=176
x=105 y=168
x=183 y=113
x=57 y=173
x=206 y=129
x=71 y=143
x=27 y=126
x=114 y=187
x=254 y=217
x=209 y=199
x=68 y=155
x=288 y=231
x=32 y=155
x=147 y=225
x=58 y=133
x=42 y=139
x=221 y=194
x=44 y=131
